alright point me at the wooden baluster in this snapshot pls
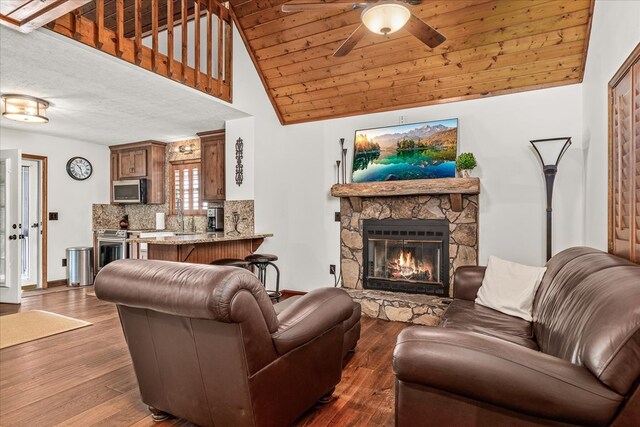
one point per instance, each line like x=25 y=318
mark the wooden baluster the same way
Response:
x=184 y=41
x=99 y=34
x=196 y=44
x=76 y=17
x=119 y=27
x=209 y=44
x=228 y=62
x=138 y=31
x=170 y=17
x=220 y=49
x=154 y=35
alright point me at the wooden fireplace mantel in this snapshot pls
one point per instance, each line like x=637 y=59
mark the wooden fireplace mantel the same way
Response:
x=455 y=187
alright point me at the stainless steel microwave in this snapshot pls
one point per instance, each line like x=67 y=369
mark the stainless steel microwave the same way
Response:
x=130 y=191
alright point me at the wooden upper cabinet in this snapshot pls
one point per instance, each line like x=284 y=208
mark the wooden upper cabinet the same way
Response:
x=133 y=163
x=624 y=160
x=137 y=160
x=213 y=165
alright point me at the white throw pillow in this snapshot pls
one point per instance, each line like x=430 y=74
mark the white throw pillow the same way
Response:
x=509 y=287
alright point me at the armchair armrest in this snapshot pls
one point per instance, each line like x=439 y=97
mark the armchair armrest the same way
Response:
x=310 y=316
x=504 y=374
x=467 y=280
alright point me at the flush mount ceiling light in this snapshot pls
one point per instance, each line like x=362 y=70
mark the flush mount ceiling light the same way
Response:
x=24 y=108
x=385 y=17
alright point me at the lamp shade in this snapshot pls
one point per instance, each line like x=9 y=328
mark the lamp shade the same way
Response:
x=551 y=150
x=385 y=17
x=24 y=108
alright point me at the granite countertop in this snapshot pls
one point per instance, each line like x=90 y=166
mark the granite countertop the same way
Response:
x=190 y=239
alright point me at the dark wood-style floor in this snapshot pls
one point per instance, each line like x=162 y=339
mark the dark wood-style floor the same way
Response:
x=85 y=378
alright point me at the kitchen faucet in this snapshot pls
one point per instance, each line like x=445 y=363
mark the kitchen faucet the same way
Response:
x=180 y=208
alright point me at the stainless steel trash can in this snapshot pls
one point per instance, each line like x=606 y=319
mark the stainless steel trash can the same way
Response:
x=80 y=266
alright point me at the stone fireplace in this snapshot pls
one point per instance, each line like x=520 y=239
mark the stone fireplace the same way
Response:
x=453 y=201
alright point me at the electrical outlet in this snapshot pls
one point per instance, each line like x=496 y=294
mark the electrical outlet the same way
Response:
x=332 y=269
x=336 y=216
x=53 y=216
x=64 y=262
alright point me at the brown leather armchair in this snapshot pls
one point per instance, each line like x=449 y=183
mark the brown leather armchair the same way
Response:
x=207 y=345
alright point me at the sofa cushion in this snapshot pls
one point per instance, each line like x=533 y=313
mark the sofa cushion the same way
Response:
x=509 y=287
x=351 y=325
x=468 y=316
x=587 y=311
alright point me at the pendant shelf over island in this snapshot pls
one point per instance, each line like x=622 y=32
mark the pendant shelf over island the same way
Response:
x=455 y=187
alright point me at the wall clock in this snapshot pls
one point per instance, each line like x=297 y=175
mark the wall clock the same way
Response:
x=79 y=168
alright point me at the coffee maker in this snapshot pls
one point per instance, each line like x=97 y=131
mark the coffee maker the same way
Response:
x=215 y=219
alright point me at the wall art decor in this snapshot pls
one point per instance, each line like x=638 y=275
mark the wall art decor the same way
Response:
x=239 y=155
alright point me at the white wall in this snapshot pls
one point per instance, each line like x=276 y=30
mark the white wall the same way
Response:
x=615 y=33
x=70 y=198
x=295 y=168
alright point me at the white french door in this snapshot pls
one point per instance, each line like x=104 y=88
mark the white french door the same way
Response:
x=10 y=283
x=30 y=252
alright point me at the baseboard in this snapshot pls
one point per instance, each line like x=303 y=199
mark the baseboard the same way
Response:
x=54 y=283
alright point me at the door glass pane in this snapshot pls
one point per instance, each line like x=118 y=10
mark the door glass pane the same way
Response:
x=24 y=242
x=3 y=222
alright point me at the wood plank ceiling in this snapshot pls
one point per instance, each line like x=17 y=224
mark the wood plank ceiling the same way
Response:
x=493 y=47
x=28 y=15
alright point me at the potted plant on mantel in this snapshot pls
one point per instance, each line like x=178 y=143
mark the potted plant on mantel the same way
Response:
x=465 y=163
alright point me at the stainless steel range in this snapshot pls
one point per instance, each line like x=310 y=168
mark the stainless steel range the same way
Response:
x=110 y=246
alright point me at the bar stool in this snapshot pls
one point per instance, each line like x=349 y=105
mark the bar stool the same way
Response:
x=261 y=262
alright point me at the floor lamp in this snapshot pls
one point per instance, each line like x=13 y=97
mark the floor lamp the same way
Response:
x=550 y=151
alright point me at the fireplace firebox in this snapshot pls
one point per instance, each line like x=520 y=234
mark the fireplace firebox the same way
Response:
x=406 y=256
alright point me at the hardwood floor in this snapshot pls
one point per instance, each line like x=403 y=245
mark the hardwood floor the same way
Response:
x=85 y=378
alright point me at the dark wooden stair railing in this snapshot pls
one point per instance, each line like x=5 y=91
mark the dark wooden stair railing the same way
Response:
x=118 y=27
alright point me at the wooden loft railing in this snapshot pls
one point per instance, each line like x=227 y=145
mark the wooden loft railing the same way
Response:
x=126 y=28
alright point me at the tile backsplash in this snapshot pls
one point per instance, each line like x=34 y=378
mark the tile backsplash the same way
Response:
x=239 y=217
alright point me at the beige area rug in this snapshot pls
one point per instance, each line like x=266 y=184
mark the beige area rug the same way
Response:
x=27 y=326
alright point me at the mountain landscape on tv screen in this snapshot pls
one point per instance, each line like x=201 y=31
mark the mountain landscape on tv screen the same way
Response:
x=415 y=151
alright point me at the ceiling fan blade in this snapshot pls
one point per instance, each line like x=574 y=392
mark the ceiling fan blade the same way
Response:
x=425 y=33
x=351 y=41
x=299 y=7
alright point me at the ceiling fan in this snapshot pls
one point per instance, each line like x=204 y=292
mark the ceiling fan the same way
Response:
x=380 y=17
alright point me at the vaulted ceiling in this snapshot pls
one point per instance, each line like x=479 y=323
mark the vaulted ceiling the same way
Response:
x=493 y=47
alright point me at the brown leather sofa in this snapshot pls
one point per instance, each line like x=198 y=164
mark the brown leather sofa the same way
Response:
x=207 y=345
x=577 y=363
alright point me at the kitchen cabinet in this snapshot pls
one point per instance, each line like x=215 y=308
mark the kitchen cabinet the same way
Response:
x=137 y=160
x=132 y=163
x=213 y=165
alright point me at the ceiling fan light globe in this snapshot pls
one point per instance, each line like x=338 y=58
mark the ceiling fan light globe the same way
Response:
x=385 y=18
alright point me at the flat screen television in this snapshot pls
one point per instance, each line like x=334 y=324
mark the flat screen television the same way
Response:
x=409 y=151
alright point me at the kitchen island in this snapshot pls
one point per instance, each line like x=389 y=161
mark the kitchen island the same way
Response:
x=195 y=248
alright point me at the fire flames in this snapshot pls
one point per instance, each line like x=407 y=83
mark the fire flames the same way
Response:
x=405 y=266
